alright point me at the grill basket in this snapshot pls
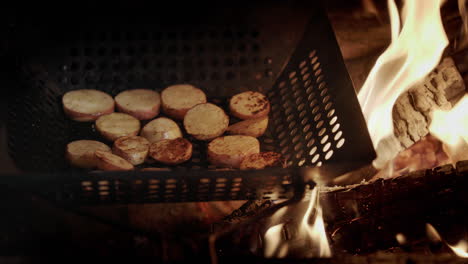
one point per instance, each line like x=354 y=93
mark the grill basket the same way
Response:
x=315 y=119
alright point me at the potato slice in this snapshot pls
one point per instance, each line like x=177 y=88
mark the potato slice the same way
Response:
x=171 y=151
x=134 y=149
x=178 y=99
x=249 y=105
x=161 y=128
x=250 y=127
x=206 y=121
x=116 y=125
x=229 y=151
x=80 y=153
x=109 y=162
x=87 y=104
x=142 y=104
x=262 y=160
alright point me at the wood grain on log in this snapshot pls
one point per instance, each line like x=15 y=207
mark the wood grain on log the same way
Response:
x=413 y=110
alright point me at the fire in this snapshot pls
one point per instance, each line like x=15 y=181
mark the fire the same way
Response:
x=451 y=127
x=460 y=249
x=464 y=29
x=416 y=49
x=311 y=237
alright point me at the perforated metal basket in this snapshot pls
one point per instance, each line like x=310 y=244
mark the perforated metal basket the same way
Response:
x=286 y=50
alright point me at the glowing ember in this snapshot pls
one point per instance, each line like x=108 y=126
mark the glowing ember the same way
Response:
x=460 y=249
x=311 y=237
x=413 y=53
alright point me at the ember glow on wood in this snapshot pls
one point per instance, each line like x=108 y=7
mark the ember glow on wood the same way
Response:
x=415 y=50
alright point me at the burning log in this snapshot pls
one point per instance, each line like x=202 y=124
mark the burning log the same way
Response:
x=412 y=111
x=374 y=212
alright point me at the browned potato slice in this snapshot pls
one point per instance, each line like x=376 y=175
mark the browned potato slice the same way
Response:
x=134 y=149
x=171 y=151
x=178 y=99
x=115 y=125
x=161 y=128
x=262 y=160
x=250 y=127
x=80 y=153
x=249 y=105
x=109 y=162
x=206 y=121
x=229 y=151
x=87 y=104
x=142 y=104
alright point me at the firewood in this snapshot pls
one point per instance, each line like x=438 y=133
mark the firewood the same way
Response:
x=412 y=111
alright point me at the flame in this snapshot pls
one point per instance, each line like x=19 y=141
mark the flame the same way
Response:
x=464 y=28
x=415 y=50
x=400 y=238
x=460 y=249
x=451 y=128
x=316 y=230
x=312 y=235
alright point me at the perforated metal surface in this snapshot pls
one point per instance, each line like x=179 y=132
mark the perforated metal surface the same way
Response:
x=315 y=119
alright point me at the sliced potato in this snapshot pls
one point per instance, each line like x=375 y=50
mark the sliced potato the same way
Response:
x=250 y=127
x=134 y=149
x=142 y=104
x=80 y=153
x=109 y=162
x=262 y=160
x=206 y=121
x=116 y=125
x=171 y=151
x=86 y=104
x=229 y=151
x=178 y=99
x=249 y=105
x=161 y=128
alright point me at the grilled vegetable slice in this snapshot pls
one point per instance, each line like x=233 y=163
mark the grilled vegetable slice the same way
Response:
x=161 y=128
x=87 y=105
x=134 y=149
x=80 y=153
x=251 y=127
x=262 y=160
x=142 y=104
x=229 y=151
x=109 y=162
x=178 y=99
x=171 y=151
x=116 y=125
x=206 y=121
x=249 y=105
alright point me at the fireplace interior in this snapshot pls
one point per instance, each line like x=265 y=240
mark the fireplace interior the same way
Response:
x=310 y=59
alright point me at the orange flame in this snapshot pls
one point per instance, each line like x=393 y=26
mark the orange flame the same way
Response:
x=415 y=50
x=460 y=249
x=312 y=234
